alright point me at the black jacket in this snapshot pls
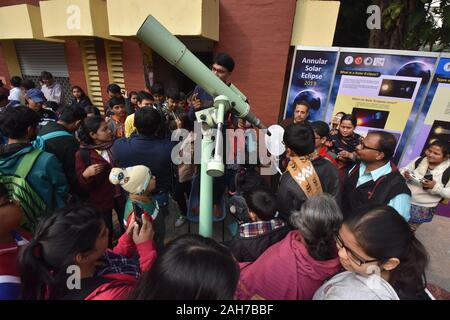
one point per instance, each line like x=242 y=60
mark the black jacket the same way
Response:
x=372 y=192
x=153 y=152
x=249 y=249
x=291 y=197
x=64 y=148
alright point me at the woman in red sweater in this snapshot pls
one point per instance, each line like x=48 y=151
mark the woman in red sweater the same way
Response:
x=93 y=163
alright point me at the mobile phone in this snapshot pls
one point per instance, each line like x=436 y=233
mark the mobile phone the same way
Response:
x=427 y=177
x=138 y=212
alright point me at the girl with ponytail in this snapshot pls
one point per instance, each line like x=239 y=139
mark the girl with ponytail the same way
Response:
x=68 y=258
x=383 y=259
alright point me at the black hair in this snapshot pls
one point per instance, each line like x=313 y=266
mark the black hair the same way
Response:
x=59 y=238
x=383 y=233
x=71 y=114
x=15 y=121
x=112 y=102
x=173 y=94
x=83 y=94
x=28 y=84
x=132 y=93
x=3 y=191
x=147 y=121
x=299 y=138
x=186 y=121
x=318 y=221
x=321 y=128
x=45 y=75
x=262 y=202
x=157 y=88
x=16 y=81
x=92 y=109
x=88 y=126
x=191 y=267
x=299 y=101
x=386 y=143
x=349 y=117
x=224 y=60
x=53 y=105
x=113 y=88
x=441 y=144
x=4 y=94
x=144 y=95
x=116 y=101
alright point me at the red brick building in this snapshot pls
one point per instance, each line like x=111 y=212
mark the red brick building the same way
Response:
x=259 y=35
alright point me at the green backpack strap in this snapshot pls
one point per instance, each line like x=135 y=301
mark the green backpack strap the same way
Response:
x=27 y=163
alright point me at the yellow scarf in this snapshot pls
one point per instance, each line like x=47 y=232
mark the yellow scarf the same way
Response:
x=303 y=172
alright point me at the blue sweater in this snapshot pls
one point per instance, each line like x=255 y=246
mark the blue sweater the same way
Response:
x=152 y=152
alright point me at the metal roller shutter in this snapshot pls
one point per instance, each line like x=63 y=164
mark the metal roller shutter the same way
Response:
x=36 y=56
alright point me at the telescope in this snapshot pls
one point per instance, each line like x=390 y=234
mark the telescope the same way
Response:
x=157 y=37
x=226 y=98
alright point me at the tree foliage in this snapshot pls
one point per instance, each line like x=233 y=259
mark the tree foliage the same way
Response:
x=405 y=24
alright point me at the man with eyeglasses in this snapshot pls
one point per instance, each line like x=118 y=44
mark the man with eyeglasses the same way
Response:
x=375 y=179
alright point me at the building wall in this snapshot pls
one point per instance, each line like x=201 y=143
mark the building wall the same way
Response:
x=257 y=34
x=133 y=66
x=4 y=73
x=75 y=64
x=4 y=3
x=102 y=66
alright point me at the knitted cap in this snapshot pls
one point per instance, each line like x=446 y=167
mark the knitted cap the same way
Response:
x=132 y=179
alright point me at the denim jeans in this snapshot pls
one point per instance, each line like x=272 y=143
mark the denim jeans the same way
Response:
x=159 y=225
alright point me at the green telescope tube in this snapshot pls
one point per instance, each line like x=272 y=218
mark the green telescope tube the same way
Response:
x=157 y=37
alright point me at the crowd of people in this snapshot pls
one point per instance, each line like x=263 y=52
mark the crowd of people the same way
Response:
x=338 y=223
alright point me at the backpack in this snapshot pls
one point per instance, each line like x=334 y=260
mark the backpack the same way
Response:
x=20 y=190
x=445 y=176
x=39 y=143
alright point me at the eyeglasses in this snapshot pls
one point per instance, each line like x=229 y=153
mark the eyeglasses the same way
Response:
x=353 y=256
x=220 y=71
x=369 y=148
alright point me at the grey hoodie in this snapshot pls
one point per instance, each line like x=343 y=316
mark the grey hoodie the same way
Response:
x=352 y=286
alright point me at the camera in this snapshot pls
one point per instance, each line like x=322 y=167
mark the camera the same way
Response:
x=415 y=179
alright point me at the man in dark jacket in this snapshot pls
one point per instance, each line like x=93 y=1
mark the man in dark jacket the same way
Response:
x=376 y=179
x=299 y=140
x=150 y=149
x=63 y=145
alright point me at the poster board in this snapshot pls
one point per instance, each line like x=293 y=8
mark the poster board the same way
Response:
x=383 y=89
x=311 y=77
x=433 y=121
